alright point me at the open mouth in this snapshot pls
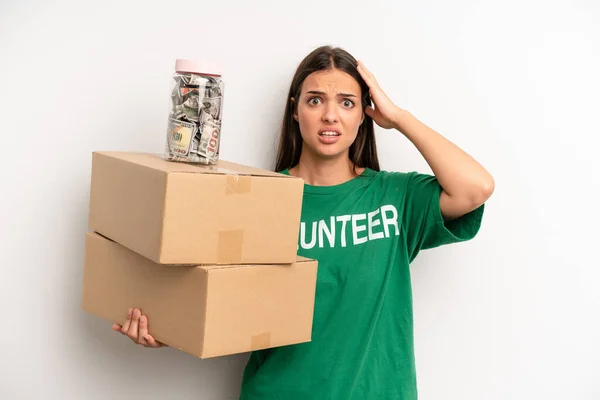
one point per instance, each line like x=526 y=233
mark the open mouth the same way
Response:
x=329 y=134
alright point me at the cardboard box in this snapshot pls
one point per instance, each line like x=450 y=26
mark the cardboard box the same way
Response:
x=179 y=213
x=206 y=311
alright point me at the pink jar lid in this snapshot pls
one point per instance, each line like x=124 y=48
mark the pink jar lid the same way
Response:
x=197 y=67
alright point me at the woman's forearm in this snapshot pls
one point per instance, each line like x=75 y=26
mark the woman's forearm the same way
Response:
x=466 y=183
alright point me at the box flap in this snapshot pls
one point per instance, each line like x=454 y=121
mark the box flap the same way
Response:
x=158 y=161
x=300 y=259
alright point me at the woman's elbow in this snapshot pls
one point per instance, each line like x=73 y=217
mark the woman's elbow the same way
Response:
x=483 y=191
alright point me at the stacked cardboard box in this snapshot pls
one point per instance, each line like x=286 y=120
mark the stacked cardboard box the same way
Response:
x=207 y=252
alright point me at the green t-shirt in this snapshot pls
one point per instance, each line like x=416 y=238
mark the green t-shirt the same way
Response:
x=364 y=234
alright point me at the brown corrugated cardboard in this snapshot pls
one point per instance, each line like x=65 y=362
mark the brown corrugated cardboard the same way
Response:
x=178 y=213
x=206 y=311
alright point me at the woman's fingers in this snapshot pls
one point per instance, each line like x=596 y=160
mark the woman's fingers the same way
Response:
x=367 y=75
x=145 y=338
x=127 y=324
x=143 y=331
x=151 y=342
x=133 y=330
x=136 y=328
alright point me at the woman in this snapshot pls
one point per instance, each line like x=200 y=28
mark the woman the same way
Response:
x=364 y=226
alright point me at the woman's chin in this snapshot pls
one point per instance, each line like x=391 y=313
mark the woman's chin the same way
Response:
x=332 y=152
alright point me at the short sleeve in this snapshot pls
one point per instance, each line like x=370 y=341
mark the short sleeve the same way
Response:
x=422 y=218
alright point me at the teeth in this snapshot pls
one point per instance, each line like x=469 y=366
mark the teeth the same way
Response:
x=329 y=134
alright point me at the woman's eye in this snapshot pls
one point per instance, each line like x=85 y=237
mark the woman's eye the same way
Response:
x=348 y=103
x=314 y=101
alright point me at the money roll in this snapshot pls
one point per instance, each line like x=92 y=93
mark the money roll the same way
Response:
x=194 y=125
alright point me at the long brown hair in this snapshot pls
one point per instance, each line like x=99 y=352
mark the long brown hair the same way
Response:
x=363 y=152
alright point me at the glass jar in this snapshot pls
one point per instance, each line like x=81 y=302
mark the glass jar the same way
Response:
x=195 y=119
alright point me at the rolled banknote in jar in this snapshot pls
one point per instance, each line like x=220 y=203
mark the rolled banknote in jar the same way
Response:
x=195 y=119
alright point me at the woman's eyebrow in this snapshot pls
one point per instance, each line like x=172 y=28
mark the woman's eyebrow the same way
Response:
x=323 y=93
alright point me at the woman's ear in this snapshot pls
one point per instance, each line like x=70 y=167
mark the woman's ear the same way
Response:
x=294 y=108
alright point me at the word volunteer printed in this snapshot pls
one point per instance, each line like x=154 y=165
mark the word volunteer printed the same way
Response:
x=352 y=229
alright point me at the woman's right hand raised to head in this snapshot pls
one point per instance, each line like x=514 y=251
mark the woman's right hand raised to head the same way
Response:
x=136 y=329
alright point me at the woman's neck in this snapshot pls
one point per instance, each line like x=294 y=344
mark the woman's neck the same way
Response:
x=324 y=172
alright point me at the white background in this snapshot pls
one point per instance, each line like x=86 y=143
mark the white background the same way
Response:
x=513 y=314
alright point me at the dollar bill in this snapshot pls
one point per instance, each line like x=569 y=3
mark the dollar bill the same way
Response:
x=212 y=107
x=191 y=110
x=195 y=145
x=213 y=89
x=209 y=140
x=177 y=113
x=179 y=137
x=198 y=80
x=191 y=158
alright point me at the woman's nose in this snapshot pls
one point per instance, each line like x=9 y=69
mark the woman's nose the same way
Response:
x=331 y=113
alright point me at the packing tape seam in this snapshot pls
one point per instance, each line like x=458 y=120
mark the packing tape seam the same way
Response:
x=230 y=246
x=238 y=184
x=260 y=341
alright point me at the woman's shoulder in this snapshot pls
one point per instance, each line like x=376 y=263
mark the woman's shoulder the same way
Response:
x=402 y=183
x=390 y=175
x=402 y=175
